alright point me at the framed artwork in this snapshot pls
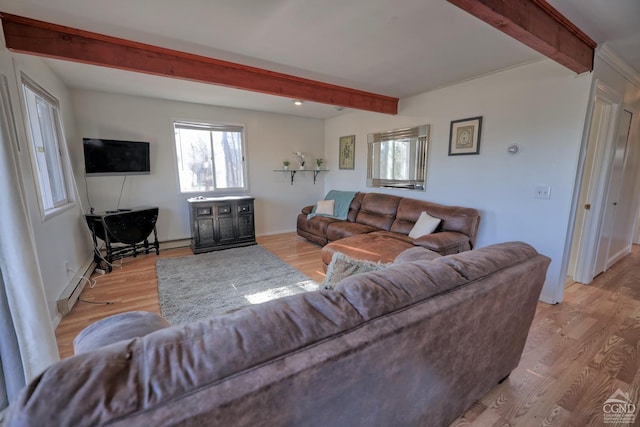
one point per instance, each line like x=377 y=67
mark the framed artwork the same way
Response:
x=464 y=136
x=347 y=152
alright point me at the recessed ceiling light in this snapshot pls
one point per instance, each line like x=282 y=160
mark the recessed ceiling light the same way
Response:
x=296 y=102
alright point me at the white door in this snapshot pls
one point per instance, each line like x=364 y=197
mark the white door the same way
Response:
x=609 y=245
x=593 y=189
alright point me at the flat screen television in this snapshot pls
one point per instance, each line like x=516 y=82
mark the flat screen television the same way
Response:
x=103 y=157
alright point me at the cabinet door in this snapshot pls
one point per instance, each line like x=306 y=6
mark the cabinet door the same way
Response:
x=205 y=232
x=203 y=225
x=224 y=212
x=246 y=229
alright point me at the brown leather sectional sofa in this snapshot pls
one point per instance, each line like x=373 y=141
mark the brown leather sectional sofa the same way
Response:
x=378 y=225
x=413 y=344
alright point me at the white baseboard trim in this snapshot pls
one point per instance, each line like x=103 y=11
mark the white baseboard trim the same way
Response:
x=273 y=233
x=615 y=258
x=177 y=243
x=71 y=293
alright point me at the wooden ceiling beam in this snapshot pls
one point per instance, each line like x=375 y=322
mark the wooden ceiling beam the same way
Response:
x=25 y=35
x=538 y=25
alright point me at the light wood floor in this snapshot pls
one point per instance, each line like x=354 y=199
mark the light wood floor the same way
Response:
x=578 y=353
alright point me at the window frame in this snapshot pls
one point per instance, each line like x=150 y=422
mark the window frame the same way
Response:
x=211 y=126
x=62 y=163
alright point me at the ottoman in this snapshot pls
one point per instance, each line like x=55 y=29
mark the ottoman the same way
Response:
x=376 y=247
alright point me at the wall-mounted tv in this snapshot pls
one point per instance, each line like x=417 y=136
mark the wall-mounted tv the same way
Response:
x=103 y=157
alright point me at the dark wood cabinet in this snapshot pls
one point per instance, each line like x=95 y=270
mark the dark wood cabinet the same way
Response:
x=221 y=223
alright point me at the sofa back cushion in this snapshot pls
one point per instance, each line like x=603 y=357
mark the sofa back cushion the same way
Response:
x=354 y=208
x=454 y=218
x=378 y=210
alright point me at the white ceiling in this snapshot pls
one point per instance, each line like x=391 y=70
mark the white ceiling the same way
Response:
x=391 y=47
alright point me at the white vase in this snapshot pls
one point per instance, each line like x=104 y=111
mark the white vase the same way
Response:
x=285 y=167
x=301 y=167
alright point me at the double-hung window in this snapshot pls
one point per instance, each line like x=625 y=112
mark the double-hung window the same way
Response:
x=45 y=129
x=210 y=157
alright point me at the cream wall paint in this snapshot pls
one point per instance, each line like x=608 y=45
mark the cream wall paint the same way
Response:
x=270 y=139
x=541 y=107
x=62 y=238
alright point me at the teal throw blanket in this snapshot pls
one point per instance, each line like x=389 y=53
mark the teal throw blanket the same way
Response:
x=342 y=202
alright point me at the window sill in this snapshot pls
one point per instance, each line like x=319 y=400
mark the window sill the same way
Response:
x=53 y=212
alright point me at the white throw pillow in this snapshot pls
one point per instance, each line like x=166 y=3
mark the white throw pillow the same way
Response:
x=426 y=224
x=325 y=207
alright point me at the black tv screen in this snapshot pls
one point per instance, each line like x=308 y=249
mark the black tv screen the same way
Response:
x=111 y=157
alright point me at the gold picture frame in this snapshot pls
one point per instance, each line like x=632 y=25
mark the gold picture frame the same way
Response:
x=347 y=153
x=464 y=136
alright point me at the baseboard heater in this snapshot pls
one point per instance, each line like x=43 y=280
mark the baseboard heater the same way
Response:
x=71 y=293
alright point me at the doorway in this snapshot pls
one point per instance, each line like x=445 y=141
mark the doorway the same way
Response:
x=615 y=233
x=595 y=182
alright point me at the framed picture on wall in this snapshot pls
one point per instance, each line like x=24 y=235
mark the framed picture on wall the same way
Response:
x=464 y=136
x=347 y=152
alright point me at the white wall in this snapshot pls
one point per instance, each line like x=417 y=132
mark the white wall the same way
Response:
x=270 y=139
x=541 y=107
x=62 y=238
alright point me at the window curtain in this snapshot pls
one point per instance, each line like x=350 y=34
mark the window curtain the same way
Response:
x=11 y=369
x=24 y=310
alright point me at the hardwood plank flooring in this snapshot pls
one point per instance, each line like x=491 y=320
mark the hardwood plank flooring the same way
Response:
x=578 y=353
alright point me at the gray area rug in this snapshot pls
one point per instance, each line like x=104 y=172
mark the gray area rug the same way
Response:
x=197 y=287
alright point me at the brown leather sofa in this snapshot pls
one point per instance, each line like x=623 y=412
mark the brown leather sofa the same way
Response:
x=413 y=344
x=377 y=228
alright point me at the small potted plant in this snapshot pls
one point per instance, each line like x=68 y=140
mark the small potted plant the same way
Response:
x=285 y=164
x=319 y=163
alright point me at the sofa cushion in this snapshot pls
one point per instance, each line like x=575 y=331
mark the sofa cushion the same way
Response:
x=393 y=235
x=371 y=247
x=426 y=224
x=316 y=226
x=343 y=229
x=354 y=207
x=378 y=210
x=444 y=242
x=398 y=285
x=417 y=253
x=343 y=266
x=454 y=218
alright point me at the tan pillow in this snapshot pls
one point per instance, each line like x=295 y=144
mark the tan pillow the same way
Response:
x=343 y=266
x=426 y=224
x=325 y=207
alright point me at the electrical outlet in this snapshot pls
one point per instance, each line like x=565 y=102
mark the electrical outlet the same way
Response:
x=543 y=192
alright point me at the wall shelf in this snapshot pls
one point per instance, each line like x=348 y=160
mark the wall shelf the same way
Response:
x=316 y=172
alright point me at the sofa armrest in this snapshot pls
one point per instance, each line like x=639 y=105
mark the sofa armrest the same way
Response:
x=307 y=210
x=444 y=242
x=119 y=327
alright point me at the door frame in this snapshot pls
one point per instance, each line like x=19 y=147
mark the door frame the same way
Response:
x=599 y=180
